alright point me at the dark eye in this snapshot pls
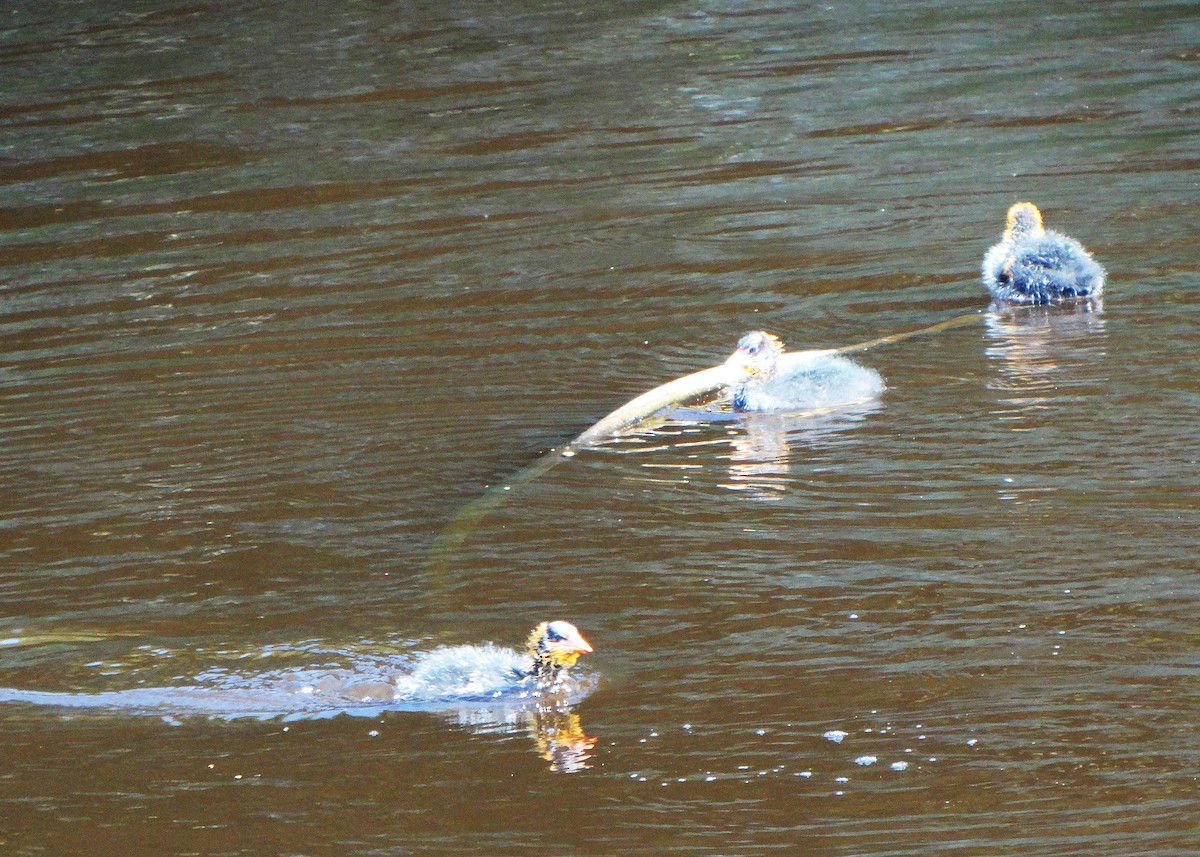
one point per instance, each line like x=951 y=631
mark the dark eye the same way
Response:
x=553 y=636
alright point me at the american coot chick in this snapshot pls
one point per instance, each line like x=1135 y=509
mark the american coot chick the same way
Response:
x=434 y=680
x=554 y=647
x=814 y=380
x=464 y=671
x=1034 y=266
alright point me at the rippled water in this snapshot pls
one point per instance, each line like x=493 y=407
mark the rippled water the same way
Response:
x=284 y=288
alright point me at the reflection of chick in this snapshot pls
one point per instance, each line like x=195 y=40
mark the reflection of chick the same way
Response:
x=560 y=738
x=551 y=650
x=1041 y=352
x=1035 y=266
x=824 y=380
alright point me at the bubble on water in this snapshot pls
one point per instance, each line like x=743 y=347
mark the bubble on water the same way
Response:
x=971 y=742
x=841 y=779
x=835 y=735
x=866 y=760
x=899 y=766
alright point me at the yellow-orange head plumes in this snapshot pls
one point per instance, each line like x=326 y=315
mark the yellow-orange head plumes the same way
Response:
x=1024 y=221
x=555 y=647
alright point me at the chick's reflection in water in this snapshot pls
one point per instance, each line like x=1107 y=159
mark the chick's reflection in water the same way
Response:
x=1042 y=352
x=560 y=739
x=485 y=687
x=762 y=450
x=553 y=724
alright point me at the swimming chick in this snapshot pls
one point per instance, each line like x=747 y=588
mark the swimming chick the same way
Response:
x=554 y=647
x=550 y=651
x=436 y=680
x=771 y=381
x=1033 y=265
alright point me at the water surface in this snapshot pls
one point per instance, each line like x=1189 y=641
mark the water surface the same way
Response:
x=284 y=289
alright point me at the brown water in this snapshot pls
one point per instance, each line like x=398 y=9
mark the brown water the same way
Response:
x=284 y=287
